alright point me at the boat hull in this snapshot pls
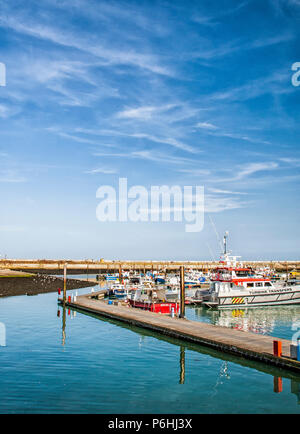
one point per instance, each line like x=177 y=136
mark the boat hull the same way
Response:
x=271 y=299
x=160 y=280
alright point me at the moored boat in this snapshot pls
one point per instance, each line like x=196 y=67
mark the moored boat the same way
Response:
x=153 y=300
x=233 y=285
x=111 y=277
x=118 y=290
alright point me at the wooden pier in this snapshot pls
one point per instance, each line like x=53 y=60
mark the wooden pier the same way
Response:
x=243 y=344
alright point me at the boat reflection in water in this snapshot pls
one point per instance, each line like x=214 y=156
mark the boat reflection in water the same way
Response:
x=262 y=320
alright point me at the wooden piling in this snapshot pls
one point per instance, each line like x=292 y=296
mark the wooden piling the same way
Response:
x=120 y=273
x=182 y=293
x=65 y=283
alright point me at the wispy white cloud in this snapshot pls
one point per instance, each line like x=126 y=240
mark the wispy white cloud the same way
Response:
x=11 y=176
x=103 y=170
x=291 y=161
x=215 y=204
x=215 y=19
x=143 y=113
x=206 y=126
x=214 y=130
x=83 y=139
x=219 y=191
x=148 y=155
x=241 y=174
x=273 y=84
x=195 y=172
x=236 y=46
x=251 y=168
x=12 y=228
x=150 y=137
x=107 y=55
x=8 y=110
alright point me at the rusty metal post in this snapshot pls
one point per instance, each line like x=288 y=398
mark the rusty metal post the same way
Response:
x=182 y=293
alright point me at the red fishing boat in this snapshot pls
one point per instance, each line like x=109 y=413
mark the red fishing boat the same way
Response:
x=153 y=300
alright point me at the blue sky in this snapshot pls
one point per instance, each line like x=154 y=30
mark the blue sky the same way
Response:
x=163 y=93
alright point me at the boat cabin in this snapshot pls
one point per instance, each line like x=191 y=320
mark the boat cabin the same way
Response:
x=149 y=295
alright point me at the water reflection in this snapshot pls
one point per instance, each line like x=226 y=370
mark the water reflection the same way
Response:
x=64 y=326
x=224 y=374
x=261 y=320
x=182 y=365
x=295 y=388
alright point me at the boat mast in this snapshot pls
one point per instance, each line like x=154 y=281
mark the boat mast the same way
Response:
x=225 y=242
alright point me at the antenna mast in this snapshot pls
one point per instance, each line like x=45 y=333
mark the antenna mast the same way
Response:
x=225 y=242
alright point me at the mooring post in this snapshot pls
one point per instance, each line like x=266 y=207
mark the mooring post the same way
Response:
x=277 y=348
x=65 y=284
x=120 y=273
x=182 y=293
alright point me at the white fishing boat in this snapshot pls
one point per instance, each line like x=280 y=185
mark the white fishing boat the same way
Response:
x=118 y=290
x=172 y=292
x=233 y=285
x=173 y=280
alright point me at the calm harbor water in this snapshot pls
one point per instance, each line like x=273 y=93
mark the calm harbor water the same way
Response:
x=76 y=363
